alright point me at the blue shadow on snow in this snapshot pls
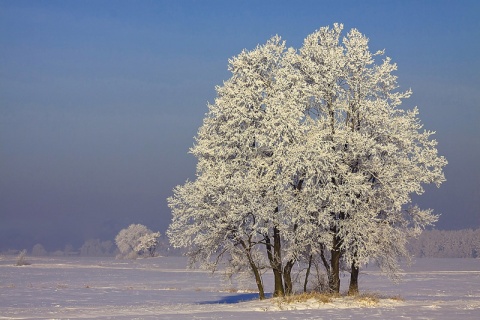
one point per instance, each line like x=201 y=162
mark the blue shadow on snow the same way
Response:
x=237 y=298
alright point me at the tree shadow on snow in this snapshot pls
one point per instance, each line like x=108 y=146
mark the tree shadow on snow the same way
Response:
x=236 y=298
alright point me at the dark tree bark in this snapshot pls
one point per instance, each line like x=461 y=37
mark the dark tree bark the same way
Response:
x=258 y=280
x=328 y=268
x=277 y=247
x=307 y=273
x=256 y=272
x=287 y=277
x=353 y=287
x=287 y=270
x=335 y=265
x=275 y=262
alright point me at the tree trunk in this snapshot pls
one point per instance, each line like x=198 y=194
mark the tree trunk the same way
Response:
x=328 y=268
x=287 y=277
x=276 y=262
x=287 y=270
x=307 y=273
x=334 y=282
x=353 y=287
x=258 y=280
x=258 y=277
x=278 y=291
x=277 y=246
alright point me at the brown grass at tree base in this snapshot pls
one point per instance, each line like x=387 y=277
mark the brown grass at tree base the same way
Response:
x=303 y=297
x=366 y=299
x=374 y=297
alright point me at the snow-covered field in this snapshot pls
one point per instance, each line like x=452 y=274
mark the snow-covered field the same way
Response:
x=162 y=288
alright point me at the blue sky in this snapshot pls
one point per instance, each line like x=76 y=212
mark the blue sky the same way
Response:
x=100 y=100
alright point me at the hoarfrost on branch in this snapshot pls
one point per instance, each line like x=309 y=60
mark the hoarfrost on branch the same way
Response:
x=306 y=153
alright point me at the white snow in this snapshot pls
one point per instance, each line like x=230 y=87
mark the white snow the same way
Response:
x=161 y=288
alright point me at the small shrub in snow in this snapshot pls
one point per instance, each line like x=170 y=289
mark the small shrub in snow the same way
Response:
x=21 y=259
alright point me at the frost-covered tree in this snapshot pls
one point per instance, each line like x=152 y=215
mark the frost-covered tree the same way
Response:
x=147 y=244
x=38 y=250
x=233 y=208
x=136 y=240
x=303 y=153
x=381 y=155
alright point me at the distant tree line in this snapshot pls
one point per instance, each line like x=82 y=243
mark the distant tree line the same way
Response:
x=463 y=243
x=446 y=244
x=132 y=242
x=90 y=248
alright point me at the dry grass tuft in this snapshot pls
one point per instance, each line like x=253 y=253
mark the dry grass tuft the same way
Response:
x=372 y=298
x=367 y=298
x=315 y=299
x=303 y=297
x=396 y=298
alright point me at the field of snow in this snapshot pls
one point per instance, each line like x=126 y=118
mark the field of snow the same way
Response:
x=162 y=288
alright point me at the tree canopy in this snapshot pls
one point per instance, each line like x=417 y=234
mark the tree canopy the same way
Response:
x=306 y=152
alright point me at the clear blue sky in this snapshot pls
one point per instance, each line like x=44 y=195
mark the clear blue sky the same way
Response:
x=100 y=100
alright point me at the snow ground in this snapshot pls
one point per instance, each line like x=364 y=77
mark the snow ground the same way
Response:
x=162 y=288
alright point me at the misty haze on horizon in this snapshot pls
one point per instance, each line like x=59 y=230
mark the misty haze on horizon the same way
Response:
x=100 y=103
